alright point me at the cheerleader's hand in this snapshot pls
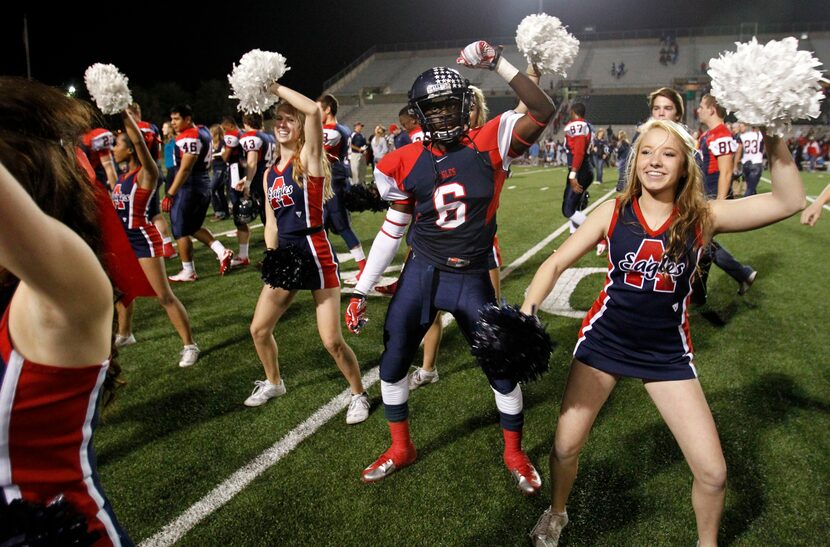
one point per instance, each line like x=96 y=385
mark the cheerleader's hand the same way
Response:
x=479 y=54
x=356 y=315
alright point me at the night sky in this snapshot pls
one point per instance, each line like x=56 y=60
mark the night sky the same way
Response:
x=163 y=42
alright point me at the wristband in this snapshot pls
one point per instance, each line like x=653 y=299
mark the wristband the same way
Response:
x=572 y=175
x=505 y=69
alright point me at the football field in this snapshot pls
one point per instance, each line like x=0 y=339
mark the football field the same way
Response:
x=183 y=461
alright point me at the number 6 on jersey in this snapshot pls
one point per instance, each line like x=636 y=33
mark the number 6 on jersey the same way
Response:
x=443 y=208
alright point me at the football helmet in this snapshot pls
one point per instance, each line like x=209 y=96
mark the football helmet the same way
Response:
x=245 y=210
x=441 y=98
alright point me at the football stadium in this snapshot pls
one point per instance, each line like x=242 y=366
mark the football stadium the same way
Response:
x=485 y=273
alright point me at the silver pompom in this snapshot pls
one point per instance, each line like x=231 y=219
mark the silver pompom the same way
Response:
x=546 y=43
x=250 y=79
x=108 y=88
x=770 y=84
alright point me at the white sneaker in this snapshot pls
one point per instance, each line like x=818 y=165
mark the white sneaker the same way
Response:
x=121 y=341
x=358 y=409
x=548 y=529
x=421 y=377
x=263 y=391
x=190 y=354
x=184 y=275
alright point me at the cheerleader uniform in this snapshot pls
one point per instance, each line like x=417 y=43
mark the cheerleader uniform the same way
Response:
x=132 y=204
x=299 y=213
x=47 y=418
x=639 y=324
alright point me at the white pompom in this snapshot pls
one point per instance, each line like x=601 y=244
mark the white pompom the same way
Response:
x=771 y=84
x=250 y=79
x=108 y=88
x=546 y=43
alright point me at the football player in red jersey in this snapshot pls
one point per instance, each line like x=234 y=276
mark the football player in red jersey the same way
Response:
x=56 y=331
x=188 y=197
x=97 y=144
x=452 y=183
x=131 y=197
x=295 y=188
x=717 y=154
x=656 y=232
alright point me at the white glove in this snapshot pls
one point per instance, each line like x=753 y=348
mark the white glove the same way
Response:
x=479 y=54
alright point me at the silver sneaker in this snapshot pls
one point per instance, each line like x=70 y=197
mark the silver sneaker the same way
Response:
x=548 y=529
x=421 y=377
x=263 y=391
x=358 y=409
x=190 y=354
x=121 y=341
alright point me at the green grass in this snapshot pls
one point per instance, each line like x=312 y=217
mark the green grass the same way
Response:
x=173 y=434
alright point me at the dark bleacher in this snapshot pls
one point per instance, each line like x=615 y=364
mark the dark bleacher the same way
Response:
x=616 y=109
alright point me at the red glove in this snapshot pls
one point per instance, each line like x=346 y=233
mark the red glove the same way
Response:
x=356 y=314
x=167 y=203
x=479 y=55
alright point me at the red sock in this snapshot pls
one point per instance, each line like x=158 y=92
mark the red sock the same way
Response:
x=361 y=264
x=513 y=454
x=401 y=441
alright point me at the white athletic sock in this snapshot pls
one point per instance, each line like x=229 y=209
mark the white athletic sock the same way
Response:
x=167 y=240
x=357 y=253
x=243 y=250
x=571 y=226
x=217 y=248
x=509 y=403
x=188 y=267
x=395 y=394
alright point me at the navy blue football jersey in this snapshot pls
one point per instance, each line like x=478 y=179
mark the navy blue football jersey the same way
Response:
x=455 y=194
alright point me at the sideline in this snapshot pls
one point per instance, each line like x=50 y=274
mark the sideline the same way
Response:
x=225 y=491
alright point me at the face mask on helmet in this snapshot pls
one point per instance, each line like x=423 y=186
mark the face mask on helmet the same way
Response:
x=440 y=98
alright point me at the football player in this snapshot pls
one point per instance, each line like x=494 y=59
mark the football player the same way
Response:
x=451 y=183
x=580 y=176
x=188 y=196
x=336 y=143
x=97 y=145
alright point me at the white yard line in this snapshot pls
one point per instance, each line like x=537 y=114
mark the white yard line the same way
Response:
x=224 y=492
x=811 y=199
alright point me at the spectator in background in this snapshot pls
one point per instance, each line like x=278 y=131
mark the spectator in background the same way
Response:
x=623 y=148
x=168 y=136
x=380 y=146
x=621 y=70
x=599 y=154
x=357 y=154
x=813 y=150
x=219 y=172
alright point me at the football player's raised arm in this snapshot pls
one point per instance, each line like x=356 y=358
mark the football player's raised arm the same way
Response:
x=149 y=168
x=51 y=259
x=535 y=75
x=575 y=247
x=786 y=199
x=540 y=108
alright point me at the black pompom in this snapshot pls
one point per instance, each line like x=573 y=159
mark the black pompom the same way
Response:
x=361 y=197
x=509 y=344
x=35 y=524
x=288 y=267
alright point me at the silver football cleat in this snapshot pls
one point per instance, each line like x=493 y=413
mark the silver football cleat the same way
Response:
x=529 y=486
x=376 y=472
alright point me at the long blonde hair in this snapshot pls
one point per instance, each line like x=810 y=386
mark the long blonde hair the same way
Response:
x=299 y=168
x=692 y=210
x=481 y=104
